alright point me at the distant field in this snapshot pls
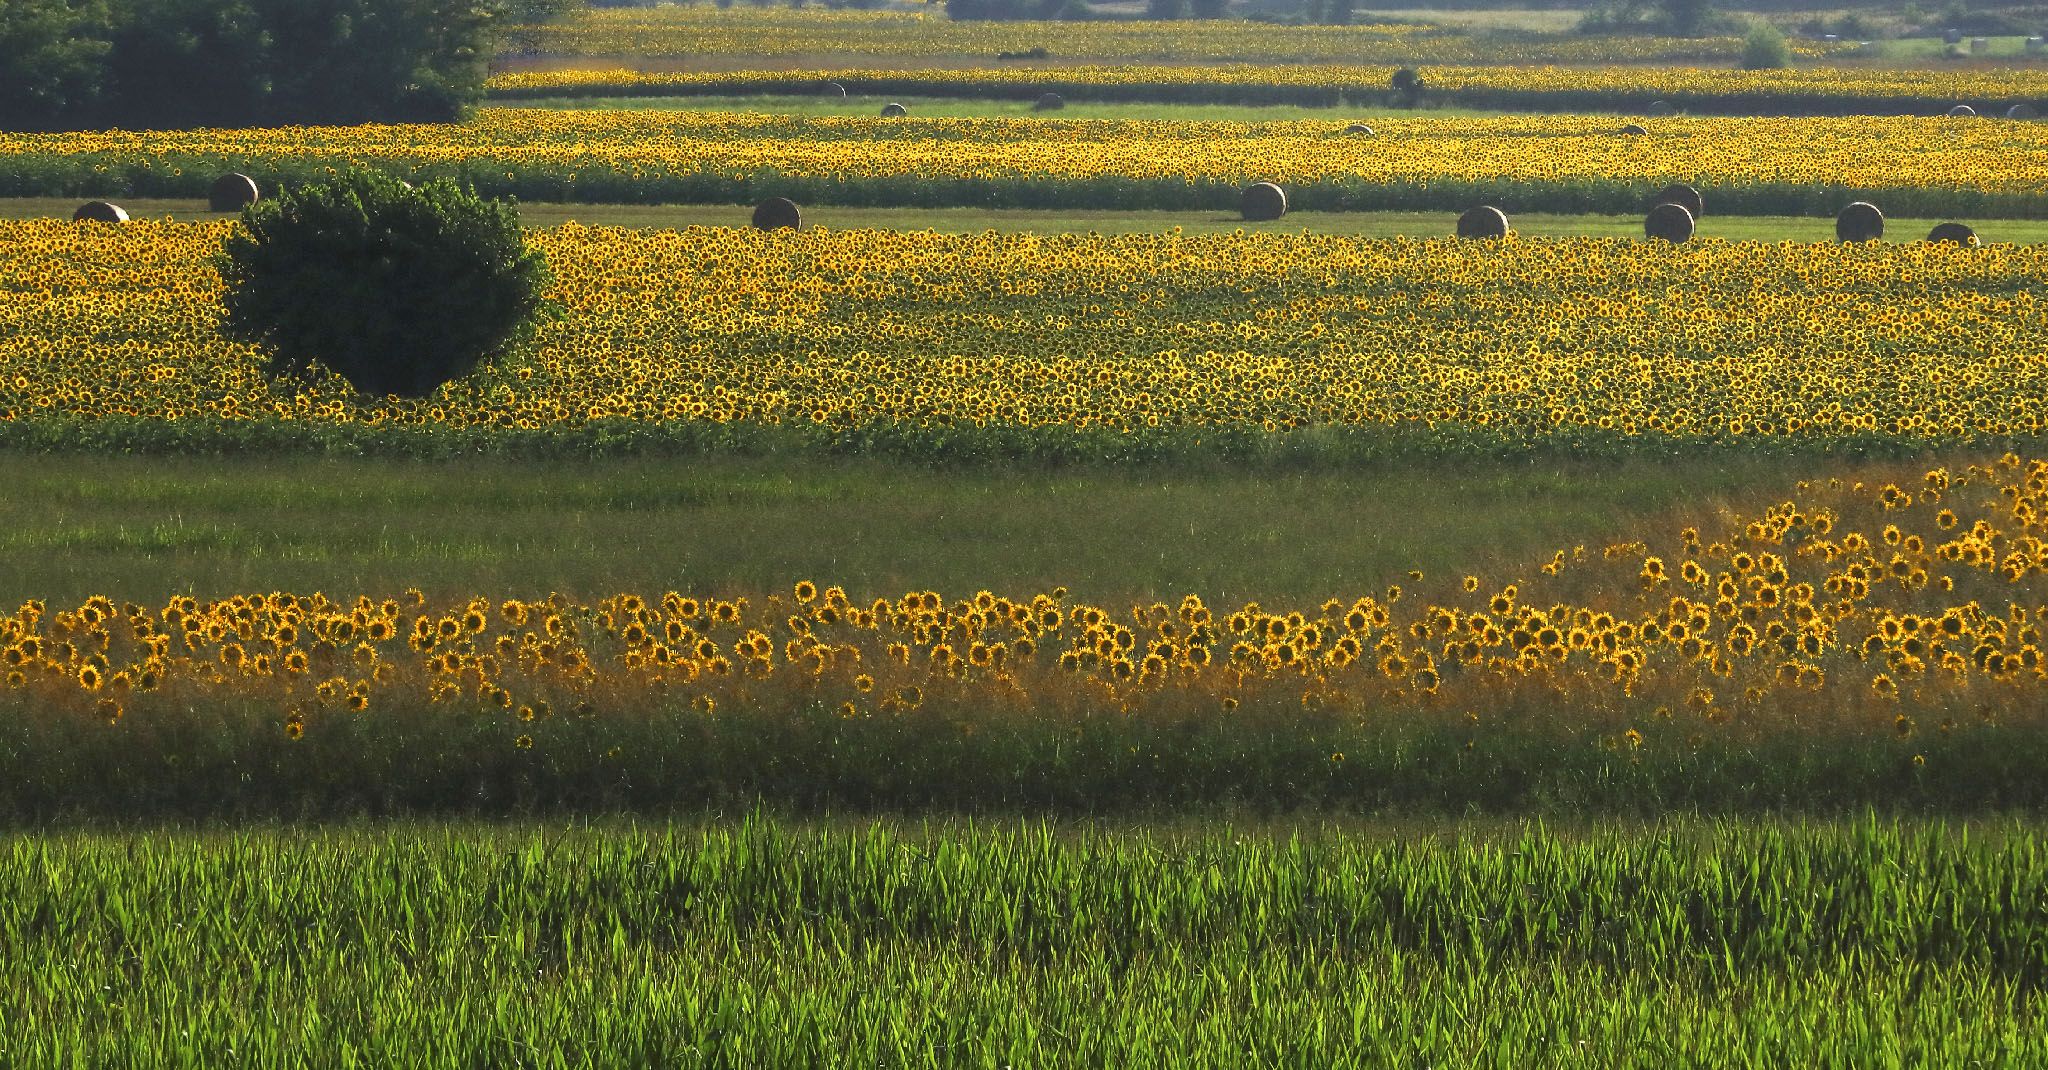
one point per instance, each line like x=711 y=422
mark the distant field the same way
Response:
x=686 y=33
x=973 y=220
x=936 y=107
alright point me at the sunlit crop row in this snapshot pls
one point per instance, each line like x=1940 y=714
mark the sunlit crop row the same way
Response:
x=1916 y=605
x=1554 y=163
x=1516 y=342
x=709 y=34
x=1805 y=88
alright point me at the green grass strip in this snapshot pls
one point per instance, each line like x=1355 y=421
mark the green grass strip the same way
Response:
x=771 y=944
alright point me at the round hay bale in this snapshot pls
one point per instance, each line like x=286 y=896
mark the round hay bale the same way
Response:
x=230 y=192
x=1262 y=202
x=1953 y=233
x=1634 y=130
x=2022 y=112
x=1681 y=194
x=99 y=212
x=1485 y=221
x=834 y=89
x=1662 y=109
x=1961 y=111
x=894 y=111
x=776 y=213
x=1358 y=128
x=1671 y=222
x=1050 y=102
x=1860 y=221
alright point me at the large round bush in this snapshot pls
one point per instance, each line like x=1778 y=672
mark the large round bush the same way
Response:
x=397 y=289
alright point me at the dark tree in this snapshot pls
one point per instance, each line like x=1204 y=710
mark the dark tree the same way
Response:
x=396 y=289
x=182 y=63
x=1685 y=18
x=52 y=54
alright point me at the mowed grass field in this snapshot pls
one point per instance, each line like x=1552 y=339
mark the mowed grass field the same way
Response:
x=975 y=220
x=935 y=107
x=154 y=528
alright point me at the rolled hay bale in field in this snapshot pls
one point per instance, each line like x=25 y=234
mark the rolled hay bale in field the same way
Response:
x=1671 y=222
x=1049 y=102
x=2023 y=112
x=1953 y=233
x=894 y=111
x=1860 y=221
x=1358 y=128
x=230 y=192
x=1485 y=221
x=99 y=212
x=1961 y=111
x=1681 y=194
x=1661 y=109
x=834 y=90
x=2037 y=45
x=1951 y=36
x=1979 y=44
x=1634 y=130
x=776 y=213
x=1262 y=202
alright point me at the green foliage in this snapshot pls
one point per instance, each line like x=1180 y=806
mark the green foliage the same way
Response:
x=1764 y=48
x=234 y=62
x=51 y=53
x=396 y=289
x=1408 y=82
x=179 y=63
x=1675 y=18
x=765 y=943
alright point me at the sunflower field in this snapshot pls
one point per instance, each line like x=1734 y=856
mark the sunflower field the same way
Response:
x=1566 y=164
x=1084 y=347
x=1805 y=90
x=1900 y=625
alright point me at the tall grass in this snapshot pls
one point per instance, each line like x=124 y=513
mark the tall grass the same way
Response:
x=769 y=944
x=235 y=759
x=147 y=529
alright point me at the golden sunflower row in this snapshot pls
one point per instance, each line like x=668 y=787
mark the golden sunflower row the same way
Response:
x=1879 y=604
x=1324 y=83
x=858 y=332
x=691 y=31
x=1930 y=166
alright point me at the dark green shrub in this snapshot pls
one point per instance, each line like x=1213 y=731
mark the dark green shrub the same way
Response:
x=1408 y=83
x=396 y=289
x=1764 y=48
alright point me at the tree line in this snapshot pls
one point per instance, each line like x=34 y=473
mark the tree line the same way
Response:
x=163 y=64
